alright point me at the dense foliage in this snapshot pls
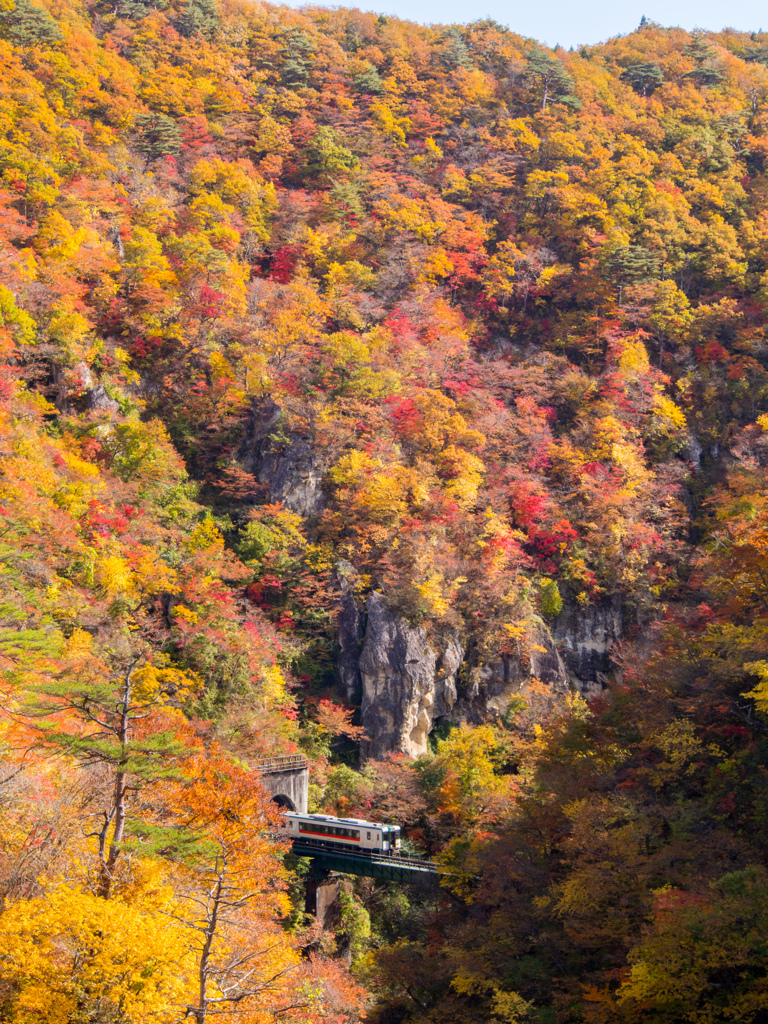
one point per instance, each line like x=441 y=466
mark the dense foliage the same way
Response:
x=501 y=311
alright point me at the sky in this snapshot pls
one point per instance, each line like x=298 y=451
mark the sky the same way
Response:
x=571 y=23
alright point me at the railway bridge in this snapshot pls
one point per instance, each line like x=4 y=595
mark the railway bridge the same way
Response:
x=326 y=866
x=390 y=868
x=287 y=780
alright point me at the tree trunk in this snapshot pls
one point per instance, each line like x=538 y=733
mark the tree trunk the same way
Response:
x=205 y=956
x=118 y=813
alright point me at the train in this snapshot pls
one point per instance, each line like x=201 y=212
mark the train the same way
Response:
x=324 y=831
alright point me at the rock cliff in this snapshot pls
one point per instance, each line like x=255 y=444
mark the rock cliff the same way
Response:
x=293 y=476
x=406 y=684
x=284 y=463
x=493 y=685
x=585 y=637
x=349 y=635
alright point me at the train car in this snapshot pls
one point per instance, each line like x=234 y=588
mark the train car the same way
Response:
x=344 y=833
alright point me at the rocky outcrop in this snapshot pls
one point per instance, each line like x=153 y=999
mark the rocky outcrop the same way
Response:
x=693 y=451
x=493 y=686
x=406 y=684
x=293 y=476
x=75 y=388
x=99 y=400
x=545 y=662
x=574 y=655
x=585 y=637
x=349 y=635
x=284 y=463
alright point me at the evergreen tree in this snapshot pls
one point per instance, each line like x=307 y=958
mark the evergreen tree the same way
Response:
x=757 y=55
x=346 y=201
x=297 y=58
x=135 y=10
x=455 y=53
x=706 y=72
x=699 y=49
x=551 y=78
x=706 y=75
x=99 y=714
x=368 y=81
x=630 y=264
x=199 y=17
x=158 y=136
x=326 y=156
x=645 y=78
x=29 y=25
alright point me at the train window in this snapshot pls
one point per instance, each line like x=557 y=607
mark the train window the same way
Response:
x=327 y=830
x=368 y=835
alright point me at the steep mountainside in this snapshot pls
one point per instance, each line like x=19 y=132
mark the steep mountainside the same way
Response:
x=396 y=394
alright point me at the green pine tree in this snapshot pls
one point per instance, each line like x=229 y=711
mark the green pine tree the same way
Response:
x=29 y=25
x=157 y=136
x=550 y=78
x=630 y=264
x=706 y=72
x=99 y=720
x=645 y=78
x=199 y=17
x=455 y=53
x=298 y=56
x=368 y=81
x=327 y=156
x=135 y=10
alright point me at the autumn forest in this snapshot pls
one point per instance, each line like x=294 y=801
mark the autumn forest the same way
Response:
x=393 y=397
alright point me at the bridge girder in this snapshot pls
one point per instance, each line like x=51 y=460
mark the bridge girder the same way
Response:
x=406 y=871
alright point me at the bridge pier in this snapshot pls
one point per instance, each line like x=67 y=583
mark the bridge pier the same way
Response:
x=322 y=896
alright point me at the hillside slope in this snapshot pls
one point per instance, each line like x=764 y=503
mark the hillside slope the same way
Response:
x=398 y=394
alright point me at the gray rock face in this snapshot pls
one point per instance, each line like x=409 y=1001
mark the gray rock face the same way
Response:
x=545 y=662
x=294 y=477
x=585 y=637
x=693 y=451
x=284 y=463
x=349 y=635
x=85 y=375
x=77 y=387
x=100 y=401
x=493 y=686
x=574 y=655
x=406 y=685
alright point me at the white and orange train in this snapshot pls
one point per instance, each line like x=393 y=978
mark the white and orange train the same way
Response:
x=349 y=833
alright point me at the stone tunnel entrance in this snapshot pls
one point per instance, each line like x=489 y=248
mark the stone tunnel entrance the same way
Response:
x=286 y=779
x=283 y=802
